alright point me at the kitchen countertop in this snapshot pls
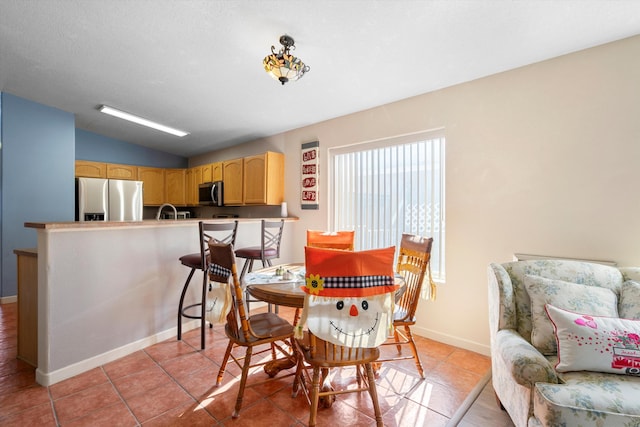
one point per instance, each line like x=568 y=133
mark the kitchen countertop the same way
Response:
x=144 y=223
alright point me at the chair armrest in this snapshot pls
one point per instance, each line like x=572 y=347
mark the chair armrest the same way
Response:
x=630 y=273
x=527 y=365
x=502 y=304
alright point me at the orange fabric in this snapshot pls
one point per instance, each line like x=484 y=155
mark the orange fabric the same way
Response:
x=339 y=263
x=353 y=292
x=333 y=240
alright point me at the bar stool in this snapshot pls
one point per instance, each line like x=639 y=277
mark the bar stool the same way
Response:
x=225 y=233
x=269 y=249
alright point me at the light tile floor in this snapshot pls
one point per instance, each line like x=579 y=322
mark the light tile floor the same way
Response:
x=173 y=383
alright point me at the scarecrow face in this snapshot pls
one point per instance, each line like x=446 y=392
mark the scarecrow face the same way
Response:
x=355 y=321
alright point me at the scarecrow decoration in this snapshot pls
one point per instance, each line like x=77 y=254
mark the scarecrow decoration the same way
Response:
x=349 y=296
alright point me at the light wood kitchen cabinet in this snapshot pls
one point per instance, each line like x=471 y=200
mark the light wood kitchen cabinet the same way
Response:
x=153 y=187
x=232 y=178
x=175 y=186
x=88 y=169
x=193 y=180
x=190 y=187
x=207 y=173
x=216 y=174
x=115 y=171
x=27 y=305
x=263 y=179
x=197 y=178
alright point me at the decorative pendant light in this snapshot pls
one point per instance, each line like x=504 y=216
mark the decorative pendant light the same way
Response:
x=283 y=66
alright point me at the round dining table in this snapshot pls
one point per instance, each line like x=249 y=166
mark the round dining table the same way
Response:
x=267 y=286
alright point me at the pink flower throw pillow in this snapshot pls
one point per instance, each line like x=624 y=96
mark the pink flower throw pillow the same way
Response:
x=595 y=343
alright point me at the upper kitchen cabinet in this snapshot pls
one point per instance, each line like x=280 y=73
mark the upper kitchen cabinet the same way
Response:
x=207 y=173
x=175 y=184
x=129 y=172
x=232 y=178
x=263 y=179
x=153 y=185
x=87 y=169
x=193 y=180
x=216 y=171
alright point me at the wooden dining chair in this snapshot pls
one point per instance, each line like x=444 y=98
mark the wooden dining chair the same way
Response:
x=413 y=265
x=321 y=356
x=348 y=309
x=266 y=330
x=224 y=232
x=331 y=239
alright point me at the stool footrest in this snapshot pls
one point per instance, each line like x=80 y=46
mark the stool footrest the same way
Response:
x=191 y=316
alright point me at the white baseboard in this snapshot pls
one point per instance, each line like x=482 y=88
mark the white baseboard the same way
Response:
x=48 y=378
x=452 y=340
x=9 y=299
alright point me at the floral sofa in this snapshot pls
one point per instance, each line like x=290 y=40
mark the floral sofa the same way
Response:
x=564 y=352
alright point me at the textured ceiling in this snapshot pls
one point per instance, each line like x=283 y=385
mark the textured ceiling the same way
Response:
x=197 y=65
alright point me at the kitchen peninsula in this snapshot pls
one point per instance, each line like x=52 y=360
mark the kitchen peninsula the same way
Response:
x=108 y=289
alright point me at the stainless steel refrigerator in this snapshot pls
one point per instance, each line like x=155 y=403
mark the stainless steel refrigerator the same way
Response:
x=108 y=200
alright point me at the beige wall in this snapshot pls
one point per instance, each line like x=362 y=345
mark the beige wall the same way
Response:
x=540 y=160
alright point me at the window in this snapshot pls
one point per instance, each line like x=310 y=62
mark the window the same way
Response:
x=388 y=187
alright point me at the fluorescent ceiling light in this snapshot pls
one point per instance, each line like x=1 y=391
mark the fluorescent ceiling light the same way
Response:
x=141 y=121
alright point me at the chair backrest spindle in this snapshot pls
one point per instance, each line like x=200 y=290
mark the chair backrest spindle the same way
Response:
x=413 y=263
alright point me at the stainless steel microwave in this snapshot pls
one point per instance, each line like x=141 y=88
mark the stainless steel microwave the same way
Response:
x=211 y=194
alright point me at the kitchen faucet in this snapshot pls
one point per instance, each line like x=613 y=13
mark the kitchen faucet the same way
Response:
x=175 y=212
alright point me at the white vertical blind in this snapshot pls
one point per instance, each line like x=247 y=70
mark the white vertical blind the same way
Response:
x=385 y=188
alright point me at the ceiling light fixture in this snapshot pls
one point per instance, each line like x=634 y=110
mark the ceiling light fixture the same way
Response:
x=141 y=121
x=283 y=66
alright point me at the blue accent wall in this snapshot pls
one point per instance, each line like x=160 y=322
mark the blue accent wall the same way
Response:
x=38 y=148
x=37 y=184
x=99 y=148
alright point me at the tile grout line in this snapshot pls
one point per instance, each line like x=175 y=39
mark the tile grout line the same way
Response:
x=199 y=404
x=138 y=423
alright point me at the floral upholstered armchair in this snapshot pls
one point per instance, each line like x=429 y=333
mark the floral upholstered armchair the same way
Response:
x=565 y=342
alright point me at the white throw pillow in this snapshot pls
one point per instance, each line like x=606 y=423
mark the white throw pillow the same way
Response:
x=595 y=343
x=629 y=303
x=570 y=296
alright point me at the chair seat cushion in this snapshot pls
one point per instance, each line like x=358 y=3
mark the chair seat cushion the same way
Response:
x=256 y=252
x=401 y=316
x=192 y=260
x=267 y=325
x=586 y=299
x=585 y=396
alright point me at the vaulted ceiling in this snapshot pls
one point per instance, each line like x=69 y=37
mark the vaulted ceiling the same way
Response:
x=197 y=64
